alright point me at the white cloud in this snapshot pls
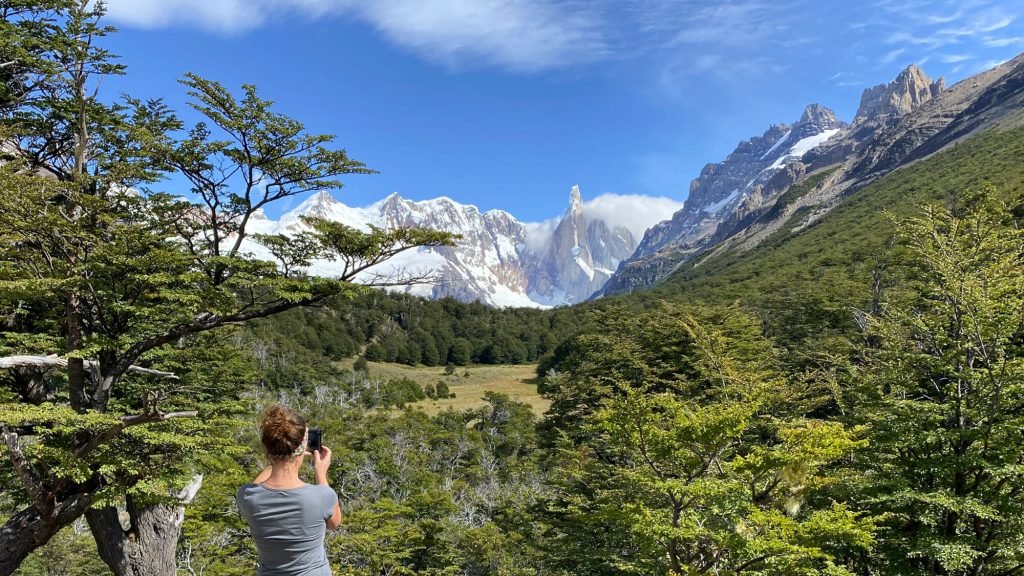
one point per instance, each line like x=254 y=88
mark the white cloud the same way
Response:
x=893 y=55
x=989 y=65
x=952 y=32
x=635 y=212
x=1004 y=42
x=538 y=234
x=683 y=40
x=925 y=41
x=522 y=35
x=989 y=21
x=216 y=15
x=954 y=58
x=936 y=19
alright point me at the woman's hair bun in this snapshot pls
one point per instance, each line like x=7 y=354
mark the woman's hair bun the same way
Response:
x=282 y=431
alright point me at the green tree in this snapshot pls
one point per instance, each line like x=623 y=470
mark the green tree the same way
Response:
x=460 y=352
x=360 y=365
x=441 y=390
x=101 y=278
x=28 y=34
x=689 y=456
x=375 y=352
x=943 y=395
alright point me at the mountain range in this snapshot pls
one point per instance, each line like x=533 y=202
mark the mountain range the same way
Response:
x=790 y=176
x=738 y=203
x=499 y=260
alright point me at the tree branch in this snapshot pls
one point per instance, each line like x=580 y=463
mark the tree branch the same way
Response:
x=207 y=321
x=25 y=473
x=48 y=362
x=126 y=421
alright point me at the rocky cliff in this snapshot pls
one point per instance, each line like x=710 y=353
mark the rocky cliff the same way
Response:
x=580 y=257
x=722 y=194
x=906 y=93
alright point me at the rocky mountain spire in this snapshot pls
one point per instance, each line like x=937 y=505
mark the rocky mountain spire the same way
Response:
x=580 y=256
x=723 y=186
x=575 y=202
x=907 y=92
x=824 y=118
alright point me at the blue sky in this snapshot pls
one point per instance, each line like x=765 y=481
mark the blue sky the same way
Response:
x=507 y=103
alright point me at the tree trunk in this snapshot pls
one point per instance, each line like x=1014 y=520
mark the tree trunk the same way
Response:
x=148 y=546
x=80 y=400
x=30 y=529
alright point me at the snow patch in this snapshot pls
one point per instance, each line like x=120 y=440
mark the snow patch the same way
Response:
x=776 y=145
x=585 y=267
x=717 y=206
x=803 y=146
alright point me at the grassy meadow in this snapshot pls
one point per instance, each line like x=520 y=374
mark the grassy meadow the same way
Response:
x=516 y=381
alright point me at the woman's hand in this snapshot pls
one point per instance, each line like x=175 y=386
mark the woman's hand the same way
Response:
x=321 y=462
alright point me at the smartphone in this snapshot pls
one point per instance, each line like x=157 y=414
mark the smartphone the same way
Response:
x=316 y=439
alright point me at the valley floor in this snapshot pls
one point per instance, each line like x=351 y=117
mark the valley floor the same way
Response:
x=470 y=383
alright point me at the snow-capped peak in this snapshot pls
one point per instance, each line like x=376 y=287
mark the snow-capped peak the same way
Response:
x=492 y=262
x=319 y=204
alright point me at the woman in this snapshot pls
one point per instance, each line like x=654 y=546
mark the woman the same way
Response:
x=287 y=517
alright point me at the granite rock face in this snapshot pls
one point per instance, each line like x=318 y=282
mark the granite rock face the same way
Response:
x=720 y=191
x=580 y=257
x=907 y=92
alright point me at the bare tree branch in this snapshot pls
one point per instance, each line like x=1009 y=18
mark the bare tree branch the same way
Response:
x=25 y=473
x=48 y=362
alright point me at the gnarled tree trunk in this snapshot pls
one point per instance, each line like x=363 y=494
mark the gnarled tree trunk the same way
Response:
x=31 y=528
x=148 y=545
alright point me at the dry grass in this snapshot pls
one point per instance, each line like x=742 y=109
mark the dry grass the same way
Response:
x=516 y=381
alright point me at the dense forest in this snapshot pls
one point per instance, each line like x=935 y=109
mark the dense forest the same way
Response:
x=390 y=327
x=846 y=399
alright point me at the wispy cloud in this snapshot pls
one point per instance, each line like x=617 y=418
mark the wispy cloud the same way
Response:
x=936 y=19
x=720 y=40
x=954 y=58
x=715 y=39
x=892 y=55
x=933 y=28
x=521 y=35
x=982 y=24
x=990 y=64
x=994 y=42
x=926 y=42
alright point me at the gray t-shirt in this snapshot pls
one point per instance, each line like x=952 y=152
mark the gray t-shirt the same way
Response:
x=288 y=526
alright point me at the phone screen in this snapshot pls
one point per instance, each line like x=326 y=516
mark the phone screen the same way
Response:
x=316 y=438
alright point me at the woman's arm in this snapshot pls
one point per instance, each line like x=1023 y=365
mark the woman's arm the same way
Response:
x=321 y=462
x=335 y=520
